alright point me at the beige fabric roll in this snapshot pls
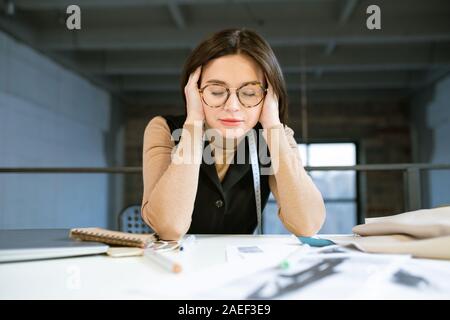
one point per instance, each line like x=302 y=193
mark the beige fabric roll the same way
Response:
x=421 y=224
x=422 y=234
x=433 y=248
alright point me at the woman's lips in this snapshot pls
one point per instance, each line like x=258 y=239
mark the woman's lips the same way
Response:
x=231 y=122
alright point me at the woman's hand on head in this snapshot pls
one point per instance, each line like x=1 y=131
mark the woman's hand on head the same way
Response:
x=194 y=104
x=270 y=114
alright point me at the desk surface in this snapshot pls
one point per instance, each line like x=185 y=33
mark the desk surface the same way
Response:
x=103 y=277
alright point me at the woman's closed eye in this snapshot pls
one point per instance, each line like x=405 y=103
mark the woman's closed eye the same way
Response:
x=218 y=93
x=248 y=94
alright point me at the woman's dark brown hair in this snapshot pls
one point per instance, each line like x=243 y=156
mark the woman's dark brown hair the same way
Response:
x=237 y=41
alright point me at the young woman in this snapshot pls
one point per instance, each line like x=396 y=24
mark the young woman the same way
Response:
x=232 y=85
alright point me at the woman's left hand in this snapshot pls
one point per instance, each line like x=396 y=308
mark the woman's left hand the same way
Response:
x=269 y=114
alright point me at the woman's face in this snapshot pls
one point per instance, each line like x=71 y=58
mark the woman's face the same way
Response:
x=232 y=71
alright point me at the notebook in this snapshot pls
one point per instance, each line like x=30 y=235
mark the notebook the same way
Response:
x=114 y=237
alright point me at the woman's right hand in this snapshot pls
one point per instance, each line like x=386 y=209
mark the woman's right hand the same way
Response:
x=194 y=103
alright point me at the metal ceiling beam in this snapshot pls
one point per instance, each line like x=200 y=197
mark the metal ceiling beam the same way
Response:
x=329 y=49
x=392 y=58
x=58 y=4
x=116 y=38
x=434 y=76
x=175 y=70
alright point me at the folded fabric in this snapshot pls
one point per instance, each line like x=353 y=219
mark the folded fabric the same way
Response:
x=422 y=234
x=420 y=224
x=432 y=248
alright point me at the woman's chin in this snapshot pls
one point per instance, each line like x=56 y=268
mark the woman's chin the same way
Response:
x=233 y=133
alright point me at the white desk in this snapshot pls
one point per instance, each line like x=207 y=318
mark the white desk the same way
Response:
x=103 y=277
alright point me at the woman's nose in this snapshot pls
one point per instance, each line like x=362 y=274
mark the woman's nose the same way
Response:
x=233 y=103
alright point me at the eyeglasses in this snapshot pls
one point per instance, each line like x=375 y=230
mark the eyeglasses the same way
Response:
x=249 y=95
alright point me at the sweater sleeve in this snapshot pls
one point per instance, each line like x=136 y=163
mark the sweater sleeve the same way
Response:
x=300 y=205
x=168 y=177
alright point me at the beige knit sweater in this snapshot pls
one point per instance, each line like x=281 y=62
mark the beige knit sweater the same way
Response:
x=170 y=186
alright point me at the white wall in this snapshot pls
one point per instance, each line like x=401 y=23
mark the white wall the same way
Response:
x=431 y=116
x=49 y=116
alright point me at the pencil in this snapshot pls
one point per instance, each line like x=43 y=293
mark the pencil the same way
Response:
x=163 y=260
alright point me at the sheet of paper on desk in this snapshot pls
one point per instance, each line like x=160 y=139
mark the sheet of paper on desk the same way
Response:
x=332 y=273
x=255 y=253
x=422 y=279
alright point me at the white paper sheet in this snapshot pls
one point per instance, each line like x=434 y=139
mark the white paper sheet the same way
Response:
x=256 y=253
x=327 y=273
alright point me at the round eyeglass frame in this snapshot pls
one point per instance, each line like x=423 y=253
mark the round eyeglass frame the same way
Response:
x=237 y=94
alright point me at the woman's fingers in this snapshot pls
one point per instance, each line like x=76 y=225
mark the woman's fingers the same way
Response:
x=270 y=91
x=269 y=87
x=194 y=76
x=193 y=101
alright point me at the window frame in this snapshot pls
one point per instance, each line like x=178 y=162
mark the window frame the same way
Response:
x=357 y=199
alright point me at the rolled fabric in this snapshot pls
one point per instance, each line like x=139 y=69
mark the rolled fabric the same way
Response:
x=432 y=248
x=419 y=224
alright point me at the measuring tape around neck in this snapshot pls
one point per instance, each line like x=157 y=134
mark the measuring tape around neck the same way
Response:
x=256 y=178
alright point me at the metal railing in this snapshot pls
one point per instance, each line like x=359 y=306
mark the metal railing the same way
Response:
x=411 y=174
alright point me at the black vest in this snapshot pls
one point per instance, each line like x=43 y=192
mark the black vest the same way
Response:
x=226 y=207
